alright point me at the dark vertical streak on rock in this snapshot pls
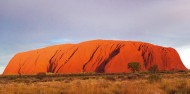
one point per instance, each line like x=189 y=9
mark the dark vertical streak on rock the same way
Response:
x=71 y=56
x=37 y=59
x=20 y=66
x=164 y=59
x=144 y=50
x=51 y=63
x=68 y=59
x=149 y=60
x=66 y=52
x=101 y=67
x=98 y=61
x=84 y=66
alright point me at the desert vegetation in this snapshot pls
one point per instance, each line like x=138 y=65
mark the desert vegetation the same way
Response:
x=95 y=83
x=153 y=68
x=134 y=66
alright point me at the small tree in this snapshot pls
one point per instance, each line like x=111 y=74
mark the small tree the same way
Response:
x=153 y=69
x=134 y=66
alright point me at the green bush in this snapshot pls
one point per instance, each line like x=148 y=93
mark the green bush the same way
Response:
x=134 y=66
x=153 y=69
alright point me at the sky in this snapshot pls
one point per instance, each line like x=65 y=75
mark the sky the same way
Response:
x=32 y=24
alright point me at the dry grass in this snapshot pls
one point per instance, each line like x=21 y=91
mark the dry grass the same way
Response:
x=168 y=84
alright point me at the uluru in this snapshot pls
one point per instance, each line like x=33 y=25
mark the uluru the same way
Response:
x=101 y=56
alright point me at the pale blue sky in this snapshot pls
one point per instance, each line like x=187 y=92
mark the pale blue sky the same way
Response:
x=31 y=24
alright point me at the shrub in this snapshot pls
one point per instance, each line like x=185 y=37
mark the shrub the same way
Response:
x=85 y=78
x=153 y=69
x=40 y=75
x=180 y=86
x=132 y=76
x=154 y=78
x=134 y=66
x=110 y=78
x=120 y=76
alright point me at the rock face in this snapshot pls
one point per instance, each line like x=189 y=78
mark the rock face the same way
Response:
x=94 y=56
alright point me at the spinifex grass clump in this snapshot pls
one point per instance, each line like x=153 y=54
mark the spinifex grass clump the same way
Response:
x=161 y=83
x=154 y=78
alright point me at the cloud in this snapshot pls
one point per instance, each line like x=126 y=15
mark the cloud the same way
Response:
x=4 y=59
x=1 y=69
x=62 y=40
x=184 y=53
